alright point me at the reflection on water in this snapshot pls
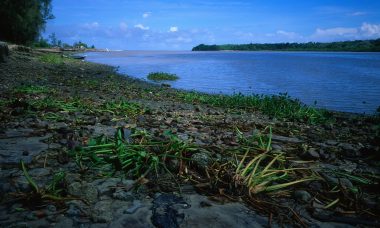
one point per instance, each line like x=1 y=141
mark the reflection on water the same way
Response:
x=339 y=81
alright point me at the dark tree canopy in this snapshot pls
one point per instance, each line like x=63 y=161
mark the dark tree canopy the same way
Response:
x=356 y=45
x=21 y=21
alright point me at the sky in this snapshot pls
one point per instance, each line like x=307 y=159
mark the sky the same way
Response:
x=181 y=25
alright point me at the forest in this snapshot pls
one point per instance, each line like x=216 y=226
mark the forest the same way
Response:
x=357 y=45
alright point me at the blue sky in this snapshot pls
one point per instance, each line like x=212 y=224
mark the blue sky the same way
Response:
x=180 y=25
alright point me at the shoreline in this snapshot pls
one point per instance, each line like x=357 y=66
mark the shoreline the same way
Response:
x=59 y=114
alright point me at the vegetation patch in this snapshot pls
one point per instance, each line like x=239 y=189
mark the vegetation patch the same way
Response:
x=51 y=59
x=278 y=106
x=31 y=89
x=137 y=156
x=161 y=76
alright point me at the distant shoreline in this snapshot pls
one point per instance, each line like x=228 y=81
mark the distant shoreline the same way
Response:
x=344 y=46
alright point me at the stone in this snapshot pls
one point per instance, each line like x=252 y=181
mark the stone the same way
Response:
x=102 y=212
x=286 y=139
x=201 y=159
x=14 y=149
x=83 y=190
x=136 y=205
x=105 y=186
x=312 y=153
x=64 y=223
x=4 y=51
x=302 y=196
x=121 y=194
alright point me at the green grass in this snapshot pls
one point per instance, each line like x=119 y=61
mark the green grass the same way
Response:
x=161 y=76
x=126 y=108
x=31 y=89
x=51 y=58
x=266 y=172
x=281 y=106
x=138 y=157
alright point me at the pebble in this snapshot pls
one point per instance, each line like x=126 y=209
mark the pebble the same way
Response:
x=302 y=196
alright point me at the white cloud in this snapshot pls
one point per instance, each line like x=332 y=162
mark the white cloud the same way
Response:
x=365 y=31
x=93 y=25
x=339 y=31
x=146 y=14
x=123 y=26
x=142 y=27
x=173 y=29
x=288 y=35
x=370 y=29
x=358 y=13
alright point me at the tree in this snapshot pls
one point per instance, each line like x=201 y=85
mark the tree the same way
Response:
x=22 y=21
x=53 y=39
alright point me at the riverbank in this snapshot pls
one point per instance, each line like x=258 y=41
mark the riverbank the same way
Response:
x=100 y=148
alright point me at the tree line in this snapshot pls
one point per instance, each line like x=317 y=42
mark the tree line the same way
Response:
x=23 y=21
x=357 y=45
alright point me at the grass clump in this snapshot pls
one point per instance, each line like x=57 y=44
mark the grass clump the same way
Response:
x=278 y=106
x=128 y=109
x=266 y=172
x=31 y=89
x=161 y=76
x=51 y=58
x=137 y=156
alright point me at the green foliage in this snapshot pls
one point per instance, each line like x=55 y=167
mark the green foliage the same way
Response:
x=161 y=76
x=357 y=45
x=266 y=172
x=281 y=106
x=22 y=21
x=51 y=58
x=137 y=156
x=52 y=191
x=257 y=140
x=122 y=108
x=41 y=43
x=30 y=89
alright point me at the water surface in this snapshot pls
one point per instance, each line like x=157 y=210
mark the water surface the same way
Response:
x=342 y=81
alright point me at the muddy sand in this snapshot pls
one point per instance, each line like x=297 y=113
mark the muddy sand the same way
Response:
x=82 y=146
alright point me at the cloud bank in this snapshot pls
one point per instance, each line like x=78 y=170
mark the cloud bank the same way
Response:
x=140 y=36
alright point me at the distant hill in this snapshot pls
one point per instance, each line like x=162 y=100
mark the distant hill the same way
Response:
x=357 y=45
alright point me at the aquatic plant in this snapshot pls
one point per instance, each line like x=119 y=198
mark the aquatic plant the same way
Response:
x=161 y=76
x=52 y=191
x=266 y=172
x=137 y=156
x=278 y=106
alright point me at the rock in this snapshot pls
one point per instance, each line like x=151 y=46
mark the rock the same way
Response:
x=201 y=159
x=164 y=212
x=302 y=196
x=276 y=147
x=121 y=194
x=100 y=129
x=83 y=190
x=4 y=52
x=347 y=146
x=64 y=223
x=14 y=149
x=286 y=139
x=105 y=186
x=39 y=172
x=312 y=153
x=136 y=205
x=102 y=212
x=331 y=142
x=344 y=182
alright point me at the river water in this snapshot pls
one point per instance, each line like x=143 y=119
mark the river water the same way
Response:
x=342 y=81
